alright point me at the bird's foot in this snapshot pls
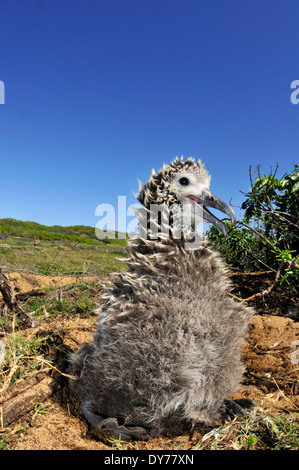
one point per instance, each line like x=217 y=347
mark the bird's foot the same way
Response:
x=109 y=428
x=232 y=408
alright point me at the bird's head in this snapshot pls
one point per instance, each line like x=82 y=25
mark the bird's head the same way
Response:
x=185 y=182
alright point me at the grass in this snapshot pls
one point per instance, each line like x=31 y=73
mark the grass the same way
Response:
x=258 y=431
x=53 y=259
x=40 y=408
x=23 y=355
x=6 y=435
x=58 y=250
x=75 y=233
x=67 y=301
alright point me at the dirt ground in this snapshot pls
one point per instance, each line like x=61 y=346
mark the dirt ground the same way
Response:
x=270 y=353
x=26 y=282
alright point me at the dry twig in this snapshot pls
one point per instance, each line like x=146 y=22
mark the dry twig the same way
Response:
x=10 y=300
x=264 y=292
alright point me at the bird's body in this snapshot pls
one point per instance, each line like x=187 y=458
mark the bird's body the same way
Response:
x=166 y=352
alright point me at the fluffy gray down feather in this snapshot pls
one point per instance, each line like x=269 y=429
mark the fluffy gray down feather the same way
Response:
x=167 y=348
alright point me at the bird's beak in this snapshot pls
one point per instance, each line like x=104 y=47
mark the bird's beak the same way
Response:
x=207 y=199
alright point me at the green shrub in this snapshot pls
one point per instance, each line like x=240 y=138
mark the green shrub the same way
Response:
x=268 y=235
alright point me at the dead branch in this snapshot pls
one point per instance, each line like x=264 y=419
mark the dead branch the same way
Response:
x=265 y=292
x=10 y=300
x=287 y=398
x=22 y=386
x=257 y=273
x=32 y=293
x=35 y=391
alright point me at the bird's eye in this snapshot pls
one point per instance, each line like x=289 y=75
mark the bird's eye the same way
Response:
x=184 y=181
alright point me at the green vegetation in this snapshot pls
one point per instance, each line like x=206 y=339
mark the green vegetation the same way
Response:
x=58 y=250
x=22 y=355
x=66 y=301
x=268 y=235
x=258 y=431
x=6 y=435
x=75 y=233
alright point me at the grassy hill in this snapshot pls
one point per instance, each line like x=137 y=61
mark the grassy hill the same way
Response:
x=26 y=245
x=75 y=233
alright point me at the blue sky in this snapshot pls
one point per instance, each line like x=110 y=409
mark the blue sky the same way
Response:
x=99 y=92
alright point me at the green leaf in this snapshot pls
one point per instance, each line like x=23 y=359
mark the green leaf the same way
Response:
x=295 y=187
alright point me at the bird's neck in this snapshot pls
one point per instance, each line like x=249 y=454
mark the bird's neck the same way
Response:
x=166 y=245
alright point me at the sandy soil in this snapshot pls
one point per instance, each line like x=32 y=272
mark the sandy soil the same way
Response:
x=27 y=282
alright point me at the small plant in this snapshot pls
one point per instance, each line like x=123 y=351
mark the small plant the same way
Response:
x=40 y=408
x=6 y=435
